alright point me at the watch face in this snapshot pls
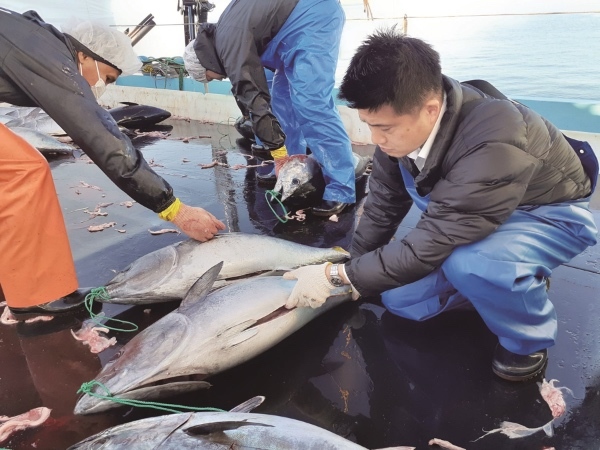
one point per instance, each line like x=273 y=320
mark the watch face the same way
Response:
x=337 y=281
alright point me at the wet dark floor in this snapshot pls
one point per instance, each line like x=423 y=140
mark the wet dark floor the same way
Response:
x=358 y=371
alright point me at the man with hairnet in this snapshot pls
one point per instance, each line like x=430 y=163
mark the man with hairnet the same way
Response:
x=299 y=40
x=64 y=73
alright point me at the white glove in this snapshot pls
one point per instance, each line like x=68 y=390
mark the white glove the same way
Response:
x=312 y=289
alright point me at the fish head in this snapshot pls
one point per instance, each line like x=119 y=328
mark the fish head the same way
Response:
x=135 y=434
x=300 y=178
x=151 y=356
x=143 y=278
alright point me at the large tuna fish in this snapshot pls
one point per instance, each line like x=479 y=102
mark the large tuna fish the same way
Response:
x=168 y=273
x=132 y=115
x=207 y=334
x=217 y=431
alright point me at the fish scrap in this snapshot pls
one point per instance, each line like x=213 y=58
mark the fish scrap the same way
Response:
x=8 y=318
x=94 y=228
x=163 y=231
x=554 y=397
x=444 y=444
x=89 y=335
x=516 y=430
x=30 y=419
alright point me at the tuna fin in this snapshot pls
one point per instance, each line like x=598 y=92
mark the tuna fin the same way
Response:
x=238 y=333
x=201 y=288
x=213 y=431
x=249 y=405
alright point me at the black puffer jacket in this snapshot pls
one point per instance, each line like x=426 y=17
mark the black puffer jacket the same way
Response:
x=489 y=157
x=38 y=68
x=233 y=47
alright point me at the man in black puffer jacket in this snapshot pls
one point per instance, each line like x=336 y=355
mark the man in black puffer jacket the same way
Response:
x=504 y=197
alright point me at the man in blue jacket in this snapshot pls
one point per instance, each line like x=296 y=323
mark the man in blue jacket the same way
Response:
x=299 y=40
x=504 y=199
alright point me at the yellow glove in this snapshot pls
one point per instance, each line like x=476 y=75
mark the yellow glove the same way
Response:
x=280 y=152
x=280 y=157
x=197 y=223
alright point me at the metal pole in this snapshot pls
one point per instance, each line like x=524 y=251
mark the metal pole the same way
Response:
x=143 y=32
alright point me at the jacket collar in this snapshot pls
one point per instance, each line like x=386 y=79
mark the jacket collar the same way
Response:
x=430 y=175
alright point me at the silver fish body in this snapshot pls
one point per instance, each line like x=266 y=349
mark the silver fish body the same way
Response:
x=30 y=117
x=168 y=273
x=216 y=431
x=207 y=334
x=43 y=142
x=19 y=111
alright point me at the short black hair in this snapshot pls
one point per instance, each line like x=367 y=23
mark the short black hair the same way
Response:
x=390 y=68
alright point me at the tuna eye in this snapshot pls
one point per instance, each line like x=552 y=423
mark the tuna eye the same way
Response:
x=295 y=182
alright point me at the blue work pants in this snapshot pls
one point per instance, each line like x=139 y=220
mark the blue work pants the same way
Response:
x=503 y=276
x=305 y=53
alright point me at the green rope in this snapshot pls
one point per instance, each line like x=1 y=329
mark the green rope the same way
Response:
x=274 y=196
x=102 y=293
x=86 y=388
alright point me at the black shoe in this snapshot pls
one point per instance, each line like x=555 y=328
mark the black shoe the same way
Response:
x=259 y=151
x=69 y=304
x=267 y=180
x=513 y=367
x=329 y=208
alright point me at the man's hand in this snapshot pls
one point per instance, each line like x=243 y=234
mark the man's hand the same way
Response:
x=197 y=223
x=312 y=288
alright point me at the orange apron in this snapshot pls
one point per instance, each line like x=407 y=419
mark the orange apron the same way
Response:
x=36 y=264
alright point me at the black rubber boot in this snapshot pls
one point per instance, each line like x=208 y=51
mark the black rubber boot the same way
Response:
x=267 y=180
x=259 y=151
x=513 y=367
x=328 y=208
x=69 y=304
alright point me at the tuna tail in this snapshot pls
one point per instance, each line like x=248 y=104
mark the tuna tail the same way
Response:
x=201 y=288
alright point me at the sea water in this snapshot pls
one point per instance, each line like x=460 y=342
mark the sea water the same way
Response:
x=543 y=56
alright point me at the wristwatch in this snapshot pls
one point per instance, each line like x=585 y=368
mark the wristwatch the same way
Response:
x=334 y=276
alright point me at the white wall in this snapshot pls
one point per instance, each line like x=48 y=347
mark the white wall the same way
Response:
x=218 y=108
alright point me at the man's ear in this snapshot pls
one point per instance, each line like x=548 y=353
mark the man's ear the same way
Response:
x=81 y=57
x=433 y=108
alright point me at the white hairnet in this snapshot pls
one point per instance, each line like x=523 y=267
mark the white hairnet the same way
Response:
x=192 y=64
x=107 y=42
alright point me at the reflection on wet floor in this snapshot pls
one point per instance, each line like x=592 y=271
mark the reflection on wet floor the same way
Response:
x=374 y=378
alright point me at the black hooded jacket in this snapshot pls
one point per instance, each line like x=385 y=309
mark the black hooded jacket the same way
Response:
x=489 y=157
x=233 y=47
x=38 y=67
